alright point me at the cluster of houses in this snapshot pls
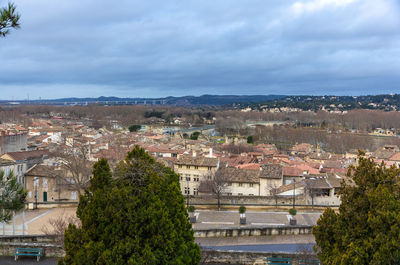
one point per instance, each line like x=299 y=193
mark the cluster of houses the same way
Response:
x=32 y=154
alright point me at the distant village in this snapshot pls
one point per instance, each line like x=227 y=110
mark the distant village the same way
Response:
x=53 y=159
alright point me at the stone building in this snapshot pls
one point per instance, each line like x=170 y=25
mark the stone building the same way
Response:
x=193 y=170
x=46 y=183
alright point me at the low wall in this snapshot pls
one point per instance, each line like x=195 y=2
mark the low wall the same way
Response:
x=254 y=231
x=244 y=257
x=46 y=242
x=247 y=200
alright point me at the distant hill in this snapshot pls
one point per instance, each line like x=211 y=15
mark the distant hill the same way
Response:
x=210 y=100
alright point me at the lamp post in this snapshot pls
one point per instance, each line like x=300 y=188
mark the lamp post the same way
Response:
x=294 y=193
x=188 y=192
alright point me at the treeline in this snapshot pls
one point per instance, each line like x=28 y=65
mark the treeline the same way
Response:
x=102 y=115
x=360 y=120
x=284 y=137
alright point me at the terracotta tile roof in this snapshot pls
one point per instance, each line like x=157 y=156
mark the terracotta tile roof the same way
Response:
x=290 y=186
x=272 y=171
x=40 y=170
x=292 y=171
x=197 y=161
x=18 y=156
x=233 y=161
x=252 y=166
x=395 y=157
x=241 y=175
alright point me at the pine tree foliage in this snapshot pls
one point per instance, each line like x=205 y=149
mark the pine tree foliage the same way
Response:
x=137 y=216
x=12 y=196
x=8 y=19
x=366 y=230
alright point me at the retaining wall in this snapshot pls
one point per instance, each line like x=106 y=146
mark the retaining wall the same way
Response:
x=254 y=231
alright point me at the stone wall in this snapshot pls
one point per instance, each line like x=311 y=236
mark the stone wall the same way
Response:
x=246 y=200
x=254 y=231
x=243 y=257
x=8 y=244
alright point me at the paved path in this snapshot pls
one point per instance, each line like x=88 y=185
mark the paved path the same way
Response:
x=275 y=248
x=225 y=219
x=256 y=240
x=35 y=220
x=27 y=261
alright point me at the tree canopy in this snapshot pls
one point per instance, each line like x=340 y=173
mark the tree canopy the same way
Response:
x=137 y=216
x=12 y=196
x=366 y=229
x=8 y=19
x=134 y=127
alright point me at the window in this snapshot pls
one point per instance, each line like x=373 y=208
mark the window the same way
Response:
x=187 y=178
x=209 y=177
x=36 y=182
x=251 y=184
x=322 y=192
x=179 y=166
x=195 y=191
x=229 y=194
x=251 y=194
x=196 y=167
x=181 y=178
x=240 y=194
x=230 y=184
x=187 y=190
x=73 y=195
x=196 y=179
x=188 y=167
x=240 y=184
x=45 y=183
x=209 y=168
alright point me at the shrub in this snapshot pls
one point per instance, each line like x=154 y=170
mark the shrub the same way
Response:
x=292 y=211
x=191 y=209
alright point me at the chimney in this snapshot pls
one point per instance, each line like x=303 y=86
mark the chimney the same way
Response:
x=211 y=152
x=3 y=136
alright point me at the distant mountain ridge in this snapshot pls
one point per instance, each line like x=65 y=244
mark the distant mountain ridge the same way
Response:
x=211 y=100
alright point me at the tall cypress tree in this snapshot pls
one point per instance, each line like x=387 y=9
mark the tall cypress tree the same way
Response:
x=366 y=230
x=136 y=217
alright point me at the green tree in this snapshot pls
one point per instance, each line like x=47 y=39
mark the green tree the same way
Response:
x=134 y=128
x=250 y=139
x=195 y=136
x=138 y=216
x=8 y=19
x=12 y=196
x=366 y=229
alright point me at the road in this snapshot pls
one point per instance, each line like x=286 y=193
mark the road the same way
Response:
x=275 y=248
x=27 y=261
x=224 y=219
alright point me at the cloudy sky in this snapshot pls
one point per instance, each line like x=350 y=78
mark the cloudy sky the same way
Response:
x=132 y=48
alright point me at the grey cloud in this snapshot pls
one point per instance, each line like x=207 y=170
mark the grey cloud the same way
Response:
x=148 y=48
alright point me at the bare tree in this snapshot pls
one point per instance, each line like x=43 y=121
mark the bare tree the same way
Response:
x=215 y=183
x=310 y=192
x=75 y=162
x=274 y=191
x=57 y=226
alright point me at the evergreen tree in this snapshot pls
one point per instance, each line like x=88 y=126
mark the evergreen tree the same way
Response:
x=366 y=230
x=12 y=196
x=136 y=217
x=8 y=19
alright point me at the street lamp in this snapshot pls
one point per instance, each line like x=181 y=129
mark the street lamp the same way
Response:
x=294 y=193
x=188 y=192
